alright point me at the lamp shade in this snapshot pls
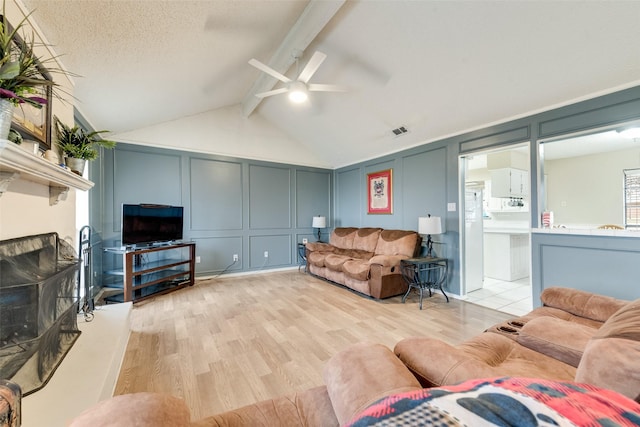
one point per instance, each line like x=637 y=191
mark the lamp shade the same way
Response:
x=319 y=222
x=429 y=225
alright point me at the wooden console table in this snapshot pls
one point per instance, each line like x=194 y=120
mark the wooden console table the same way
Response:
x=154 y=270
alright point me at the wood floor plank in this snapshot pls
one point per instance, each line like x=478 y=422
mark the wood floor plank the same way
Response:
x=232 y=341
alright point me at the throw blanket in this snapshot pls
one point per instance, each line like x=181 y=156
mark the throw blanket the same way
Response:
x=504 y=402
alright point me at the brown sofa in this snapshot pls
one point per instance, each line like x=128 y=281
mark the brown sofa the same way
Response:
x=575 y=336
x=600 y=335
x=366 y=260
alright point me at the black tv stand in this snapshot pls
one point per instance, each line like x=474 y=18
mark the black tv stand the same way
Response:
x=141 y=278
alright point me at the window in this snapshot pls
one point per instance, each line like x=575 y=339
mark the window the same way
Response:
x=581 y=178
x=632 y=198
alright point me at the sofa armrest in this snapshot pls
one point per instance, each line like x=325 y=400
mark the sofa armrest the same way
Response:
x=610 y=359
x=557 y=338
x=319 y=247
x=310 y=407
x=362 y=374
x=387 y=260
x=137 y=409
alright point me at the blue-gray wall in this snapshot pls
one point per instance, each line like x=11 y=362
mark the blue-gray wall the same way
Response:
x=426 y=179
x=248 y=207
x=231 y=206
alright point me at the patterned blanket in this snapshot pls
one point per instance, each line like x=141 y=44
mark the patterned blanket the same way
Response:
x=504 y=402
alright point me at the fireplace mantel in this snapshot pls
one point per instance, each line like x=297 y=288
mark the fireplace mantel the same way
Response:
x=17 y=163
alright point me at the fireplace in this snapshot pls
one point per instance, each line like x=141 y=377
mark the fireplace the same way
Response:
x=38 y=308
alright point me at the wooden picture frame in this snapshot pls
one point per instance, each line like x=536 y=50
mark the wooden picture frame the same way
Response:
x=31 y=122
x=379 y=192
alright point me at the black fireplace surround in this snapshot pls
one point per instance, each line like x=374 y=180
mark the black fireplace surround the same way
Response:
x=38 y=308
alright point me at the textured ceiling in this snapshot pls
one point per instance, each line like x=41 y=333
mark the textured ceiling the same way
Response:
x=437 y=67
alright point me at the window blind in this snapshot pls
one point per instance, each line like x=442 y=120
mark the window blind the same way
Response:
x=632 y=198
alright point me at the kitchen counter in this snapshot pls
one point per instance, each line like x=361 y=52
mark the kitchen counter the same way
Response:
x=509 y=249
x=506 y=230
x=587 y=231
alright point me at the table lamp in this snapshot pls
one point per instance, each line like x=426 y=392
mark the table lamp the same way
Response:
x=429 y=225
x=319 y=222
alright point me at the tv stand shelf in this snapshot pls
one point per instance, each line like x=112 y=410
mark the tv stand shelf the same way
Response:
x=153 y=270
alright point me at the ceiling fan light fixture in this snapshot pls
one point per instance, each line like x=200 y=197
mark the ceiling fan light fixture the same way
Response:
x=298 y=92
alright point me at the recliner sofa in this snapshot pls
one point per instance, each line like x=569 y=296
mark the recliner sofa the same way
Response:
x=575 y=336
x=366 y=260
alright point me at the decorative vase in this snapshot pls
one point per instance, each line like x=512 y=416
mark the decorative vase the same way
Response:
x=76 y=165
x=6 y=116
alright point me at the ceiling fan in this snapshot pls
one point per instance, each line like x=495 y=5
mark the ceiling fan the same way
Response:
x=298 y=89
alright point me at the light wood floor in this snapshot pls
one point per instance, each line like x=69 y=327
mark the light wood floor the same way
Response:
x=228 y=342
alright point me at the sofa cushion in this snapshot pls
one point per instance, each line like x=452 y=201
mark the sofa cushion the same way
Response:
x=354 y=253
x=437 y=363
x=581 y=303
x=342 y=237
x=366 y=239
x=612 y=357
x=357 y=269
x=398 y=242
x=317 y=258
x=562 y=340
x=362 y=374
x=334 y=262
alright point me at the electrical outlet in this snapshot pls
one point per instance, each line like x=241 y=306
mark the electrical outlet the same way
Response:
x=197 y=260
x=235 y=257
x=266 y=254
x=305 y=241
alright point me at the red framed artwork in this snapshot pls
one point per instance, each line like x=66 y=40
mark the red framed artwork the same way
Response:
x=379 y=192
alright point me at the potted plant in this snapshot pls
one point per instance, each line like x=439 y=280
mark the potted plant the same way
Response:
x=20 y=76
x=79 y=146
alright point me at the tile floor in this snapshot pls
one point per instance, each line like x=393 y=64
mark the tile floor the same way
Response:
x=509 y=297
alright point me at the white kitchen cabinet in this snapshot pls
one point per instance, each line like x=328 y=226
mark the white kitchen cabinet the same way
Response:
x=508 y=257
x=509 y=182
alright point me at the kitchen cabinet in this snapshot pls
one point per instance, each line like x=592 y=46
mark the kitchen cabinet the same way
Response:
x=509 y=182
x=509 y=255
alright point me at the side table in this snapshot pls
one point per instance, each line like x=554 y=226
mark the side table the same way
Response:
x=424 y=273
x=302 y=256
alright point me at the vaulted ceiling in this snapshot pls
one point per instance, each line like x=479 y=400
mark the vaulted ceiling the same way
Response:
x=153 y=70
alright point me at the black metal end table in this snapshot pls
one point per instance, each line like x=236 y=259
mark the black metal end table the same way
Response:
x=302 y=256
x=424 y=273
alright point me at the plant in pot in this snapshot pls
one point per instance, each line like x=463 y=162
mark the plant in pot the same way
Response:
x=79 y=146
x=21 y=72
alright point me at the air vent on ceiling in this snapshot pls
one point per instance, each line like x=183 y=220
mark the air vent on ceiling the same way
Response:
x=400 y=131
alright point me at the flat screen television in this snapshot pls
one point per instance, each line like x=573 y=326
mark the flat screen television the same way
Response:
x=145 y=224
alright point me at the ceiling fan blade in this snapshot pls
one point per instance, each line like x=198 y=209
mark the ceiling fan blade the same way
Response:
x=312 y=66
x=326 y=88
x=260 y=66
x=272 y=92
